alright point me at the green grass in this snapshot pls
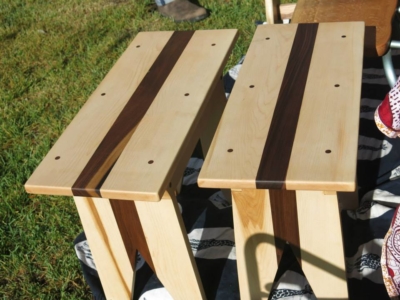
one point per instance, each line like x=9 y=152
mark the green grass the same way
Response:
x=53 y=54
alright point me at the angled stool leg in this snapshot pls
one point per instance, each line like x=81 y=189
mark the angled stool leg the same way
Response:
x=255 y=244
x=107 y=247
x=169 y=247
x=131 y=230
x=322 y=250
x=272 y=11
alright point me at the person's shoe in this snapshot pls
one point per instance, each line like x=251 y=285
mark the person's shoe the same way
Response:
x=183 y=11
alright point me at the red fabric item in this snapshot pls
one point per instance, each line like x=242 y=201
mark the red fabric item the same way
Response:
x=385 y=113
x=390 y=259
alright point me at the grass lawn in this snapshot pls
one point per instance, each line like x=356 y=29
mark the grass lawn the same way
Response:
x=53 y=54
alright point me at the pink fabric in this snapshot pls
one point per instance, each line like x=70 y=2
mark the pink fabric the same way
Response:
x=390 y=259
x=387 y=115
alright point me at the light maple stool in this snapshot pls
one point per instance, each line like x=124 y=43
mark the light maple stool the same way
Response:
x=285 y=146
x=272 y=11
x=377 y=15
x=125 y=152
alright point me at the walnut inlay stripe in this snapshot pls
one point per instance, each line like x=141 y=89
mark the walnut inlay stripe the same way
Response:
x=278 y=146
x=285 y=222
x=93 y=175
x=131 y=230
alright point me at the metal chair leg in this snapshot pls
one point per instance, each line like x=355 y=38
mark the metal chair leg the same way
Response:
x=388 y=67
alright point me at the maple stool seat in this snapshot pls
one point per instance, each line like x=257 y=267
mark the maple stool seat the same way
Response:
x=377 y=15
x=285 y=146
x=126 y=150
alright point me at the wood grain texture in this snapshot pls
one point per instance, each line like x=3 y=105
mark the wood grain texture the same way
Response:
x=169 y=247
x=213 y=116
x=107 y=247
x=93 y=175
x=378 y=14
x=278 y=146
x=204 y=128
x=324 y=153
x=68 y=158
x=316 y=153
x=131 y=230
x=148 y=161
x=284 y=219
x=255 y=243
x=247 y=116
x=321 y=244
x=85 y=133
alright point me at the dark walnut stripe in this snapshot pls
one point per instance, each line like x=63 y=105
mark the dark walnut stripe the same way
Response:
x=278 y=146
x=370 y=41
x=94 y=174
x=131 y=231
x=285 y=222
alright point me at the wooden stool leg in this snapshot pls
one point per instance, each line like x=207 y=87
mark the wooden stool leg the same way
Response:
x=272 y=11
x=169 y=247
x=131 y=231
x=107 y=247
x=255 y=244
x=321 y=243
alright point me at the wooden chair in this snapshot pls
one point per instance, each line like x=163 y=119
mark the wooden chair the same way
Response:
x=287 y=146
x=125 y=152
x=377 y=15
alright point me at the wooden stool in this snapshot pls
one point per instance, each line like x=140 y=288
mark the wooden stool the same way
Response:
x=272 y=11
x=131 y=141
x=377 y=15
x=286 y=143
